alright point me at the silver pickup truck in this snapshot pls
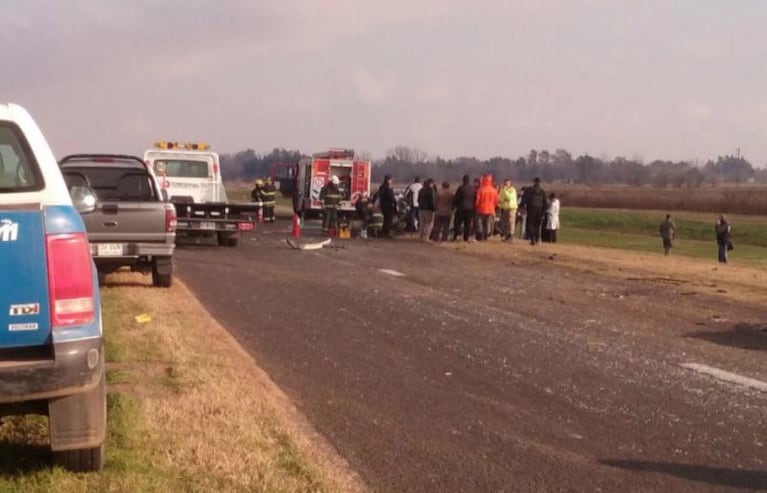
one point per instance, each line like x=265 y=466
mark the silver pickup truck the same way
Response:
x=132 y=225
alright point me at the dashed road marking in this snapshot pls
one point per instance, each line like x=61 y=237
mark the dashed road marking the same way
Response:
x=394 y=273
x=726 y=376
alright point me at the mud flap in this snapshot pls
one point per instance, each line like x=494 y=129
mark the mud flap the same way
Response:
x=163 y=265
x=79 y=421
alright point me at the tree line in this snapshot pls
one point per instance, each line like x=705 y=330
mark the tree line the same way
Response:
x=404 y=163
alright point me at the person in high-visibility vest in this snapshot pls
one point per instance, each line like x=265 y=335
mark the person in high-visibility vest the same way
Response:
x=507 y=201
x=376 y=222
x=268 y=193
x=331 y=199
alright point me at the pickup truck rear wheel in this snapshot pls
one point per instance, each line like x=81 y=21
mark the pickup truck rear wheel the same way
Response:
x=81 y=418
x=224 y=240
x=80 y=460
x=162 y=272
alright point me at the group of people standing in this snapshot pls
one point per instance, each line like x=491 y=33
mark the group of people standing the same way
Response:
x=472 y=209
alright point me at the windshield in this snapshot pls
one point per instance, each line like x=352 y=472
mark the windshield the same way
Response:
x=112 y=183
x=177 y=168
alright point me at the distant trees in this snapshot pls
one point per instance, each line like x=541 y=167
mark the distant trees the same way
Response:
x=247 y=165
x=403 y=163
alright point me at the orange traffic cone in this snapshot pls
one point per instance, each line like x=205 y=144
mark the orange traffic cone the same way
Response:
x=296 y=227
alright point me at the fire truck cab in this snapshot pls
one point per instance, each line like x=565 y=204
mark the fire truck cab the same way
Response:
x=314 y=172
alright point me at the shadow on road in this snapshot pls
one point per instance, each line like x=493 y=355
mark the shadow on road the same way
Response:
x=747 y=479
x=744 y=336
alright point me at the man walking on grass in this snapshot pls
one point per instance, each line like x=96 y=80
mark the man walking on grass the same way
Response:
x=667 y=232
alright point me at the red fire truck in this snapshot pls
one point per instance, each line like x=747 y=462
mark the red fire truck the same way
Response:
x=307 y=178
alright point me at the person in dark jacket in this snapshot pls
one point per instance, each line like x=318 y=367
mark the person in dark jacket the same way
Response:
x=426 y=208
x=463 y=200
x=723 y=231
x=388 y=203
x=667 y=232
x=535 y=203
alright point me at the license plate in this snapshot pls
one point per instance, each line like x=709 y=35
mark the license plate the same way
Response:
x=109 y=249
x=207 y=225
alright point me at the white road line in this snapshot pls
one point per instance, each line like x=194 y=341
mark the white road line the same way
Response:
x=726 y=376
x=392 y=272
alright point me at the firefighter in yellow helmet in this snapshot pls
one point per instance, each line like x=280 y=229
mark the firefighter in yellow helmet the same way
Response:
x=257 y=196
x=269 y=195
x=330 y=197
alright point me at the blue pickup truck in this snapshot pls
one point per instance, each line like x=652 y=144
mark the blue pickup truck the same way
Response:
x=51 y=341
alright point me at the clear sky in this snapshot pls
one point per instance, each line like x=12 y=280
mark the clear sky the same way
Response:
x=681 y=79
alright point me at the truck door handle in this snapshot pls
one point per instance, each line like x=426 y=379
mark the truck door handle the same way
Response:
x=110 y=224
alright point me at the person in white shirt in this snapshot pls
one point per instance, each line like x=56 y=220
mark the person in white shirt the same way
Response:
x=552 y=218
x=411 y=195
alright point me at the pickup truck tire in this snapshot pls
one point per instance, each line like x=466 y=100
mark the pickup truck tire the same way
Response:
x=230 y=241
x=81 y=460
x=81 y=415
x=162 y=272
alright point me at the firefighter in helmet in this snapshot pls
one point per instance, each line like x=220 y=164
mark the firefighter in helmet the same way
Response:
x=257 y=196
x=268 y=193
x=331 y=199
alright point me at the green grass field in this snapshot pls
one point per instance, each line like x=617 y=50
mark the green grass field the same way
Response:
x=638 y=230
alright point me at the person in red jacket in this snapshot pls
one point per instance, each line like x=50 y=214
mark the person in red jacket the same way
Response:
x=486 y=202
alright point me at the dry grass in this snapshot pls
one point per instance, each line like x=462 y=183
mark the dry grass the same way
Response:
x=736 y=282
x=749 y=200
x=189 y=410
x=219 y=414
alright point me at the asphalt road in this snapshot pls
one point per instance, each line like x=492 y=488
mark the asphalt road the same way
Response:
x=471 y=373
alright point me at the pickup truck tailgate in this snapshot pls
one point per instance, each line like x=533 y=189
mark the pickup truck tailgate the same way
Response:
x=24 y=310
x=127 y=221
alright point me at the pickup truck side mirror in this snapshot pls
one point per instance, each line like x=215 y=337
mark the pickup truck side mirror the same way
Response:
x=83 y=199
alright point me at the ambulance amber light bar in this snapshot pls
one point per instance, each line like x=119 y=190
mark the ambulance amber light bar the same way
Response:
x=188 y=146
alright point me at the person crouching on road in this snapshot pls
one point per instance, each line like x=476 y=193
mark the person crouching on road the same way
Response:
x=375 y=225
x=426 y=198
x=269 y=196
x=362 y=212
x=667 y=232
x=331 y=199
x=485 y=203
x=257 y=196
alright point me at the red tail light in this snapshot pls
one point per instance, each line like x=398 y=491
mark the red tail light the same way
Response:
x=170 y=219
x=70 y=279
